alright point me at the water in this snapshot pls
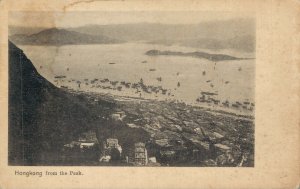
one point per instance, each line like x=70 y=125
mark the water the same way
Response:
x=231 y=80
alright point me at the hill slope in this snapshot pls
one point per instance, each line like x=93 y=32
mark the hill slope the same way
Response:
x=42 y=118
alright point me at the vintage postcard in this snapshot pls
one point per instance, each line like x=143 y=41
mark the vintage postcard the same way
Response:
x=151 y=92
x=105 y=89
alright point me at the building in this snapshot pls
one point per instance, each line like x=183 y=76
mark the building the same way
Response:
x=221 y=148
x=153 y=162
x=89 y=136
x=140 y=154
x=87 y=145
x=111 y=143
x=86 y=140
x=105 y=158
x=118 y=116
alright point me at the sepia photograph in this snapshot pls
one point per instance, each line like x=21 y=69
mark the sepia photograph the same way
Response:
x=131 y=88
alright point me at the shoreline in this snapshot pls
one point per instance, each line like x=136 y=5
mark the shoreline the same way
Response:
x=113 y=97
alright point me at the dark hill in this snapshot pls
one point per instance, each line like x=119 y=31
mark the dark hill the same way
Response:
x=42 y=118
x=60 y=37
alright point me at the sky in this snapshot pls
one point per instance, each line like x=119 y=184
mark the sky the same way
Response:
x=75 y=19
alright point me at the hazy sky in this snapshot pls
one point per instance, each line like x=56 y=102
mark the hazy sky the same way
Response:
x=74 y=19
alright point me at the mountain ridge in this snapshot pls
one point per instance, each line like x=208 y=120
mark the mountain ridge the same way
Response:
x=236 y=34
x=58 y=37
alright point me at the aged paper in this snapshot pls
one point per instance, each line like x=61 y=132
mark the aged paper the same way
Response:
x=149 y=94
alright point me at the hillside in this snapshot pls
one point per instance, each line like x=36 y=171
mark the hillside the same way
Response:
x=60 y=37
x=42 y=118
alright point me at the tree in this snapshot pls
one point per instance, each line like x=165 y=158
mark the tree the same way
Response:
x=115 y=154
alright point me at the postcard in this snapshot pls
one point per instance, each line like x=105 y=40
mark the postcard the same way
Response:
x=150 y=94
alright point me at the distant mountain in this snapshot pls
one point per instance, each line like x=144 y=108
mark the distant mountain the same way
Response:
x=244 y=43
x=42 y=117
x=60 y=37
x=16 y=30
x=237 y=34
x=208 y=56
